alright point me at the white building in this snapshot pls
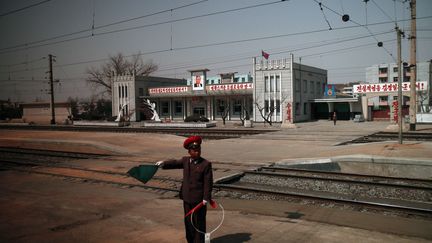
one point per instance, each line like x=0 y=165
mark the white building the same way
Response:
x=379 y=104
x=284 y=91
x=288 y=88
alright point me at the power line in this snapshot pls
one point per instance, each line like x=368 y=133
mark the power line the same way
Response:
x=224 y=43
x=365 y=26
x=23 y=8
x=343 y=49
x=89 y=29
x=23 y=63
x=383 y=11
x=30 y=45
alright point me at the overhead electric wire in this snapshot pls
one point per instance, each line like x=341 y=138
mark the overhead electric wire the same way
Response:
x=89 y=29
x=365 y=26
x=382 y=10
x=280 y=52
x=30 y=45
x=23 y=63
x=343 y=49
x=149 y=15
x=23 y=8
x=223 y=43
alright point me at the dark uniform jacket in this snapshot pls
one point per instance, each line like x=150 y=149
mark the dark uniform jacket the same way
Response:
x=197 y=178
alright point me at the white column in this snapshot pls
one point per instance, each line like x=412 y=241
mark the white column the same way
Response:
x=274 y=98
x=280 y=98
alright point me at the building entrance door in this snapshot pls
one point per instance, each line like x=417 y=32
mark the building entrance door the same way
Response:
x=199 y=110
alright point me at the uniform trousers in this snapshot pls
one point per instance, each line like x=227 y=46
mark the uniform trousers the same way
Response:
x=199 y=220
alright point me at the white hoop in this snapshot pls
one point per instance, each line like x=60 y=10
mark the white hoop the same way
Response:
x=223 y=217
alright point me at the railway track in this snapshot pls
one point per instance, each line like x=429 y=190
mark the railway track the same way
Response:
x=393 y=136
x=405 y=197
x=58 y=164
x=207 y=133
x=399 y=196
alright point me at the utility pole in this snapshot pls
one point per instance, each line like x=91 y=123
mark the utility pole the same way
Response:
x=400 y=77
x=413 y=67
x=52 y=106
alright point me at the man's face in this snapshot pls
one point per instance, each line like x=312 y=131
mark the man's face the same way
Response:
x=195 y=153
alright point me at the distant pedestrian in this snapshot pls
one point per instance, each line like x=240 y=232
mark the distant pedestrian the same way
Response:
x=334 y=118
x=196 y=187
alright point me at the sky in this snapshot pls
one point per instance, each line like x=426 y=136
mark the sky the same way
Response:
x=180 y=35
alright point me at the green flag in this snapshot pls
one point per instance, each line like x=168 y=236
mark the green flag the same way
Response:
x=143 y=173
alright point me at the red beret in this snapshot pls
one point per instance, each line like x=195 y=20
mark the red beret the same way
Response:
x=192 y=139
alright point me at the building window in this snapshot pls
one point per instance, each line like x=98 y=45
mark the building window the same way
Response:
x=221 y=106
x=126 y=89
x=278 y=88
x=178 y=108
x=383 y=98
x=318 y=87
x=297 y=88
x=382 y=80
x=304 y=86
x=277 y=107
x=395 y=79
x=119 y=91
x=311 y=87
x=272 y=84
x=297 y=108
x=266 y=107
x=382 y=70
x=243 y=79
x=395 y=69
x=266 y=83
x=236 y=80
x=237 y=107
x=305 y=105
x=164 y=105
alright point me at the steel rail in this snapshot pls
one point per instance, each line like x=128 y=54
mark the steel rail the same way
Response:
x=49 y=165
x=227 y=131
x=51 y=153
x=86 y=179
x=370 y=179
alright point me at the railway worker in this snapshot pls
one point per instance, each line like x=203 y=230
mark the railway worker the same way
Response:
x=196 y=187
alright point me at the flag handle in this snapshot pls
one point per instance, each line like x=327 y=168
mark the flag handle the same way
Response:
x=212 y=204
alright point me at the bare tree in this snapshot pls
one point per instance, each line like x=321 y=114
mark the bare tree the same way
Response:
x=267 y=112
x=244 y=115
x=118 y=64
x=266 y=115
x=223 y=109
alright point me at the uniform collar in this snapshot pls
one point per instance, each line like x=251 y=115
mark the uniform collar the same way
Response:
x=195 y=161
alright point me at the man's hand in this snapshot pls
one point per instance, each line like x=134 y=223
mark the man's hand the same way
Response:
x=204 y=202
x=159 y=163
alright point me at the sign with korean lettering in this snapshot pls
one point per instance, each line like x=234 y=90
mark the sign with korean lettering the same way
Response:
x=395 y=111
x=227 y=87
x=387 y=87
x=165 y=90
